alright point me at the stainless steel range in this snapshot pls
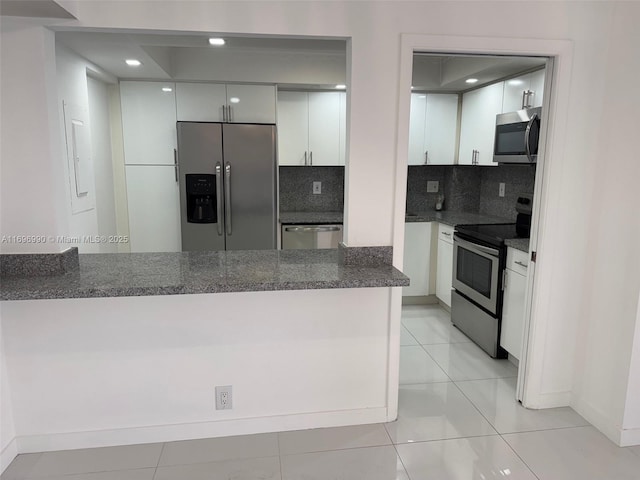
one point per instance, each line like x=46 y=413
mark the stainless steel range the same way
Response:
x=479 y=257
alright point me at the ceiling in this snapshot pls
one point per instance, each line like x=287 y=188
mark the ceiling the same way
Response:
x=449 y=73
x=33 y=8
x=314 y=62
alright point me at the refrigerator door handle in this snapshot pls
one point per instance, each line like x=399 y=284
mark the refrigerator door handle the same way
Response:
x=219 y=197
x=227 y=199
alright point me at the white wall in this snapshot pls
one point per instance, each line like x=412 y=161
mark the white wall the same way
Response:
x=8 y=444
x=82 y=376
x=586 y=285
x=98 y=100
x=32 y=193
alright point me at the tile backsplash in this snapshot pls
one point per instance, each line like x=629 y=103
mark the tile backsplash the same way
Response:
x=296 y=189
x=470 y=188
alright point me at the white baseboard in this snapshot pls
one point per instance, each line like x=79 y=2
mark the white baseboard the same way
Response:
x=630 y=437
x=225 y=428
x=600 y=421
x=8 y=454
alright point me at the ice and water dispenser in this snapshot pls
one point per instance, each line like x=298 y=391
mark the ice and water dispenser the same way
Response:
x=201 y=198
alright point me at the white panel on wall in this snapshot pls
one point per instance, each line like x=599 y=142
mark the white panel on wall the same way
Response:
x=78 y=137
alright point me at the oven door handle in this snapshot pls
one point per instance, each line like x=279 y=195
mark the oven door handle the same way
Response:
x=474 y=246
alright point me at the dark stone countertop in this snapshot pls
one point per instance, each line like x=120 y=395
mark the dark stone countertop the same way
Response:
x=518 y=243
x=310 y=218
x=447 y=217
x=453 y=218
x=138 y=274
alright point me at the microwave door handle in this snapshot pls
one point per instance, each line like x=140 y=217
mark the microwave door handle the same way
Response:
x=527 y=134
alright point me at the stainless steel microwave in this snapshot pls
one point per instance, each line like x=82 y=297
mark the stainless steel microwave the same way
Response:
x=517 y=135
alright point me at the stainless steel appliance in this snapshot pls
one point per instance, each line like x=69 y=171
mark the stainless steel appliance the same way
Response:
x=479 y=257
x=517 y=136
x=311 y=236
x=227 y=186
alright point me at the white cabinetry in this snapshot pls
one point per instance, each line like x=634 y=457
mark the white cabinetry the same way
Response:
x=417 y=258
x=148 y=122
x=444 y=272
x=513 y=303
x=478 y=124
x=433 y=126
x=154 y=208
x=311 y=128
x=523 y=92
x=233 y=103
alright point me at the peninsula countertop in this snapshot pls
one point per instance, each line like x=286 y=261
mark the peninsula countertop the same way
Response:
x=139 y=274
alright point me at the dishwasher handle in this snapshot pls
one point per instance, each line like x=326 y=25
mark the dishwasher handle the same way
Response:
x=312 y=229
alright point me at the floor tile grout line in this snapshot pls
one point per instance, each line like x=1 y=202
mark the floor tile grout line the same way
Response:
x=395 y=447
x=521 y=459
x=436 y=362
x=279 y=454
x=155 y=472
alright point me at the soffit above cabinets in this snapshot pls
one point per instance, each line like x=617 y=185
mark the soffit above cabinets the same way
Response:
x=189 y=57
x=440 y=73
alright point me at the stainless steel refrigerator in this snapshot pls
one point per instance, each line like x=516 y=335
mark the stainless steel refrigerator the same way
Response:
x=227 y=175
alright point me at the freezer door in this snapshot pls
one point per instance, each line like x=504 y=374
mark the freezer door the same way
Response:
x=199 y=151
x=250 y=186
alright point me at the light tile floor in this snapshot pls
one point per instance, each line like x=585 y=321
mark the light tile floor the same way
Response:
x=458 y=419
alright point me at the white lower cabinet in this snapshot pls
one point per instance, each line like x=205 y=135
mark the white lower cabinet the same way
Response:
x=444 y=272
x=154 y=208
x=417 y=259
x=514 y=301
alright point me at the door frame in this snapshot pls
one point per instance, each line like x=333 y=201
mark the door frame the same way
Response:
x=555 y=112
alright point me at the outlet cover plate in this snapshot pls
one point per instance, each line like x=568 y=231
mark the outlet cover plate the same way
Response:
x=501 y=189
x=433 y=186
x=224 y=397
x=317 y=188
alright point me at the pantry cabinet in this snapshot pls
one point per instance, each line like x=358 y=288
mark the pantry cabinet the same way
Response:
x=433 y=127
x=311 y=128
x=478 y=124
x=148 y=122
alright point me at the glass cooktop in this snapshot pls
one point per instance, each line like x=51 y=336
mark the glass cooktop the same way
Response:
x=494 y=234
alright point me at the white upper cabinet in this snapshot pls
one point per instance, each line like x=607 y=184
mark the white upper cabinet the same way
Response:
x=441 y=126
x=478 y=124
x=433 y=125
x=148 y=122
x=324 y=128
x=417 y=117
x=311 y=128
x=293 y=128
x=200 y=102
x=523 y=92
x=217 y=102
x=251 y=103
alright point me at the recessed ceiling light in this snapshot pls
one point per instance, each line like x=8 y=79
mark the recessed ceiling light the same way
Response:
x=234 y=100
x=132 y=62
x=412 y=87
x=471 y=80
x=167 y=89
x=216 y=41
x=341 y=87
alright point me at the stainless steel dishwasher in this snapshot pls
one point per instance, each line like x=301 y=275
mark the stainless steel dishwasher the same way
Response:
x=311 y=236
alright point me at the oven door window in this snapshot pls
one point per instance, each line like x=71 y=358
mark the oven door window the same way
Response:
x=475 y=271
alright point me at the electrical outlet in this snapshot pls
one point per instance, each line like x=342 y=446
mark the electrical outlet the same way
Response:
x=501 y=189
x=317 y=188
x=433 y=186
x=224 y=398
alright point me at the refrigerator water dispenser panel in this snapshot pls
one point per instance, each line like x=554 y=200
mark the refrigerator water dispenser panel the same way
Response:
x=201 y=198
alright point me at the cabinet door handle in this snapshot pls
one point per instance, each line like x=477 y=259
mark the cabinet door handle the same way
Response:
x=230 y=114
x=311 y=158
x=305 y=159
x=446 y=233
x=175 y=163
x=522 y=264
x=504 y=279
x=426 y=157
x=224 y=113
